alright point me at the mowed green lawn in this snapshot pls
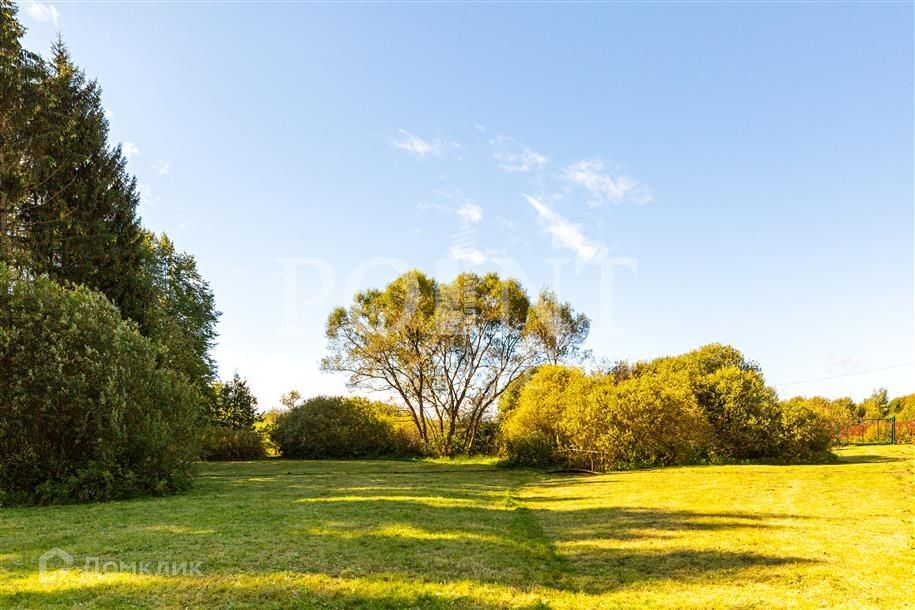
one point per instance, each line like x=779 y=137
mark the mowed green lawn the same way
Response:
x=468 y=534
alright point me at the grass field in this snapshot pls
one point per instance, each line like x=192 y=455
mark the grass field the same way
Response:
x=468 y=534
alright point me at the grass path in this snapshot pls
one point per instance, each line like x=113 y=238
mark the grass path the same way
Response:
x=379 y=534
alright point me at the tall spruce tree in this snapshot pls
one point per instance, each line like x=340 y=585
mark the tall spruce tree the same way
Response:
x=68 y=206
x=81 y=214
x=21 y=75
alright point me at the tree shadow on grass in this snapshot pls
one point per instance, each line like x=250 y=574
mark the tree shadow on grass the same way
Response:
x=598 y=572
x=628 y=523
x=507 y=546
x=430 y=530
x=866 y=459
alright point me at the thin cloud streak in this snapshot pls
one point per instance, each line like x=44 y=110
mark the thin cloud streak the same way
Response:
x=591 y=174
x=419 y=147
x=522 y=159
x=565 y=233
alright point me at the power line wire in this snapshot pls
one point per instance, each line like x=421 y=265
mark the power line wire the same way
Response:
x=884 y=368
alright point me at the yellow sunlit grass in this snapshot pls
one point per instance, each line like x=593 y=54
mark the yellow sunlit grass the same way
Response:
x=469 y=534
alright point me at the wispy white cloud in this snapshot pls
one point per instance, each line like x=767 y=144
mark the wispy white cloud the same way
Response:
x=470 y=213
x=163 y=168
x=433 y=205
x=43 y=11
x=594 y=176
x=565 y=233
x=147 y=196
x=515 y=157
x=109 y=113
x=463 y=242
x=419 y=147
x=467 y=254
x=843 y=365
x=130 y=149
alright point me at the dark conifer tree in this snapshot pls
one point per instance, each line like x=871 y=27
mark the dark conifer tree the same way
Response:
x=68 y=206
x=81 y=214
x=21 y=74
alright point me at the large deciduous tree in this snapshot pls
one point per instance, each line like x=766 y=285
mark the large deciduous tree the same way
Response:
x=447 y=351
x=560 y=330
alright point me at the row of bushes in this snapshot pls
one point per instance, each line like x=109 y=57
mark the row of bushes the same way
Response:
x=225 y=443
x=708 y=405
x=318 y=428
x=87 y=411
x=854 y=422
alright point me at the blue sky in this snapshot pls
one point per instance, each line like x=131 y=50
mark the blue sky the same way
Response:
x=683 y=173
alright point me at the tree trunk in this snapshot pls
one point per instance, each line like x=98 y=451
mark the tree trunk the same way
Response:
x=3 y=239
x=4 y=197
x=449 y=439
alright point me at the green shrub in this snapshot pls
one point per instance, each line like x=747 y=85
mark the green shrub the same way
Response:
x=85 y=412
x=487 y=439
x=742 y=411
x=805 y=435
x=405 y=440
x=265 y=426
x=563 y=416
x=532 y=449
x=341 y=427
x=903 y=408
x=835 y=414
x=731 y=392
x=222 y=443
x=649 y=420
x=531 y=429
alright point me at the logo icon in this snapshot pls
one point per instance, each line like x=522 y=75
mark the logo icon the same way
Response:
x=50 y=559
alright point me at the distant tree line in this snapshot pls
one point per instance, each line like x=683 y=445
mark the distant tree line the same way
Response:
x=711 y=404
x=853 y=421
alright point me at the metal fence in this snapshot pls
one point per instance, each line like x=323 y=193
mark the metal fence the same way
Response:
x=878 y=431
x=582 y=459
